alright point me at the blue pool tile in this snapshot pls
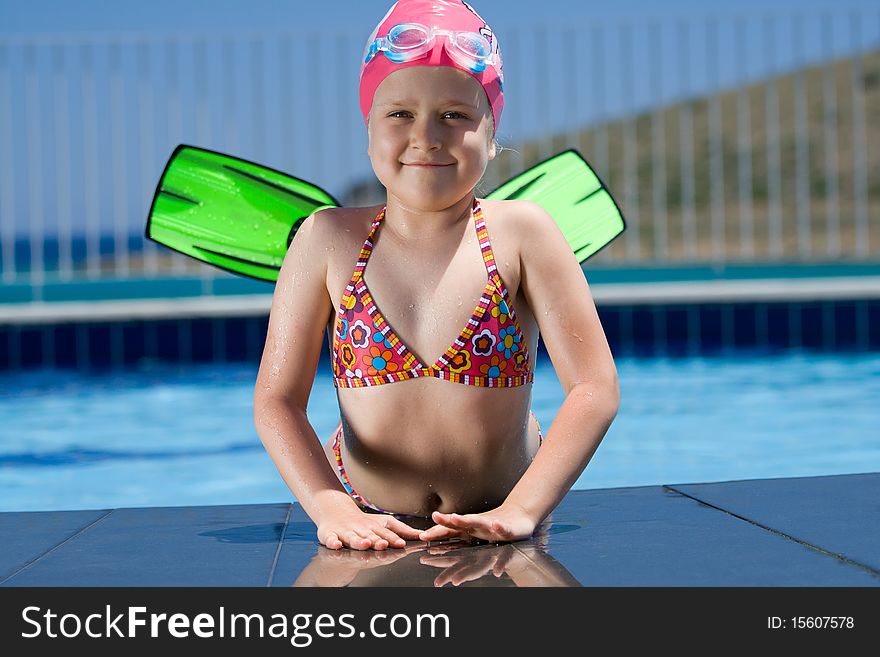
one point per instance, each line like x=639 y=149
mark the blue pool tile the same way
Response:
x=860 y=311
x=5 y=348
x=260 y=328
x=218 y=328
x=13 y=340
x=14 y=344
x=873 y=324
x=626 y=330
x=711 y=329
x=744 y=325
x=30 y=346
x=65 y=337
x=658 y=320
x=610 y=319
x=812 y=327
x=778 y=327
x=255 y=330
x=678 y=331
x=117 y=344
x=236 y=348
x=184 y=340
x=761 y=318
x=623 y=337
x=47 y=336
x=168 y=341
x=728 y=330
x=644 y=332
x=133 y=343
x=82 y=346
x=829 y=325
x=216 y=335
x=202 y=340
x=98 y=345
x=795 y=325
x=151 y=341
x=694 y=342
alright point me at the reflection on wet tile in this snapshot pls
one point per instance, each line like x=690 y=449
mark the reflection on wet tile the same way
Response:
x=452 y=563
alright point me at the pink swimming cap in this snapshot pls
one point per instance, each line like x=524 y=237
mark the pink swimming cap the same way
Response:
x=453 y=15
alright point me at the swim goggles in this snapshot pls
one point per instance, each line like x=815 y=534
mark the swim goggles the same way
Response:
x=408 y=41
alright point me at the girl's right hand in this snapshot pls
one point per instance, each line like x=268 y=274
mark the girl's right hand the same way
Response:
x=364 y=531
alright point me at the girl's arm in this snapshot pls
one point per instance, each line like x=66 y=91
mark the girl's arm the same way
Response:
x=301 y=308
x=558 y=294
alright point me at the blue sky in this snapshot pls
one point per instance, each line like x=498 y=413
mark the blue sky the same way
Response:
x=20 y=16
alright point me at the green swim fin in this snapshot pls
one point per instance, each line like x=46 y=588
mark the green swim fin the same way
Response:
x=570 y=191
x=235 y=214
x=241 y=216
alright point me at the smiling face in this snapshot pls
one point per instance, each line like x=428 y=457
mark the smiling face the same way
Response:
x=430 y=135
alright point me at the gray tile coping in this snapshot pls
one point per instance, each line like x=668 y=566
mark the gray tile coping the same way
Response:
x=814 y=531
x=840 y=514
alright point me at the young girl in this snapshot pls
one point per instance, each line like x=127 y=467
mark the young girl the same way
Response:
x=432 y=306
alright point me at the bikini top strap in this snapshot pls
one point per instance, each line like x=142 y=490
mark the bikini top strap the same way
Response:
x=483 y=239
x=367 y=248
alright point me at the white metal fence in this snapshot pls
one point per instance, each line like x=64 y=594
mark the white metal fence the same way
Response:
x=724 y=138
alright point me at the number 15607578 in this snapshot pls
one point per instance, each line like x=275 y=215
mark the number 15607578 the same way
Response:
x=810 y=622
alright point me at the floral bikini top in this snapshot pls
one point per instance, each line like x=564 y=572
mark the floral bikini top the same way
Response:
x=489 y=351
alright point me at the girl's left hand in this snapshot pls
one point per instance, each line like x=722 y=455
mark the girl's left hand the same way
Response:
x=498 y=525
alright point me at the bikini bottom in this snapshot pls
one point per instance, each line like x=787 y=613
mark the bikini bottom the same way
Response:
x=357 y=497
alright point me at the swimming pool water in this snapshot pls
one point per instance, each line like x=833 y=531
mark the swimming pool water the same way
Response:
x=165 y=436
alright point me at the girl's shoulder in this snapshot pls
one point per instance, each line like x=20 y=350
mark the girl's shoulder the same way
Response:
x=340 y=232
x=524 y=228
x=336 y=224
x=512 y=218
x=343 y=216
x=515 y=210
